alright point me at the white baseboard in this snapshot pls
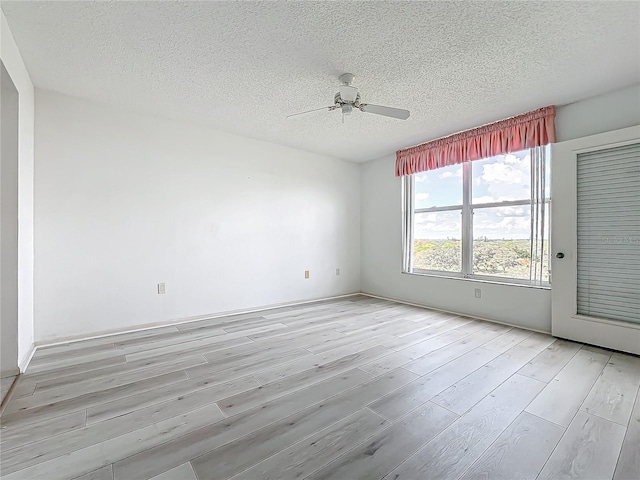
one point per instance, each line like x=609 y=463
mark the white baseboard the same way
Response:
x=170 y=323
x=454 y=313
x=24 y=363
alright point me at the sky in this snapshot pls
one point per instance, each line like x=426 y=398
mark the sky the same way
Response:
x=496 y=179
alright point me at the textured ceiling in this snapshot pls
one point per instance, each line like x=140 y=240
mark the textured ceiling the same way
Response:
x=243 y=66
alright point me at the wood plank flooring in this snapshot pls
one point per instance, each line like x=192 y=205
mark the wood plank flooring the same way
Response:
x=351 y=388
x=5 y=386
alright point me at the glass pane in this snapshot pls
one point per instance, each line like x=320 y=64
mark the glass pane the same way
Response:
x=502 y=178
x=502 y=241
x=437 y=244
x=439 y=188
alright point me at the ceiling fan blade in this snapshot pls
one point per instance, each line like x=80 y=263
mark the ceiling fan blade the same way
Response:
x=386 y=111
x=348 y=93
x=332 y=107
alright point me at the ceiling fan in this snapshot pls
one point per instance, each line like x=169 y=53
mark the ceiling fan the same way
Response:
x=348 y=98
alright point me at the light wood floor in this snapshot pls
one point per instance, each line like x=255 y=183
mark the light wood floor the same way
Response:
x=356 y=388
x=5 y=385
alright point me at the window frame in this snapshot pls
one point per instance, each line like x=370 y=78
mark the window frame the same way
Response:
x=466 y=235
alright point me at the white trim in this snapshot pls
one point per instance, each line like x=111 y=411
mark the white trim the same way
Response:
x=455 y=313
x=450 y=208
x=24 y=364
x=593 y=142
x=169 y=323
x=606 y=321
x=565 y=322
x=437 y=273
x=408 y=223
x=512 y=282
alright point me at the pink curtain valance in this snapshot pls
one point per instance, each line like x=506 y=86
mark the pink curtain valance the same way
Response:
x=528 y=130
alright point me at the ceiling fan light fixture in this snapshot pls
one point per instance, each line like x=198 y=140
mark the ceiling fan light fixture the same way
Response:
x=347 y=109
x=348 y=93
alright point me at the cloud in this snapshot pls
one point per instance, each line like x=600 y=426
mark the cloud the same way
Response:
x=457 y=173
x=506 y=177
x=502 y=222
x=510 y=170
x=516 y=211
x=422 y=196
x=484 y=199
x=438 y=225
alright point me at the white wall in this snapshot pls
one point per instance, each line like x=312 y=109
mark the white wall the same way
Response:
x=125 y=201
x=8 y=225
x=604 y=113
x=381 y=246
x=15 y=67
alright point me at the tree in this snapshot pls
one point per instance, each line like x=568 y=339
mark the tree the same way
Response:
x=442 y=255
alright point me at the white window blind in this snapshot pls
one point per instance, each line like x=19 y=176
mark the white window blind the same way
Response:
x=609 y=233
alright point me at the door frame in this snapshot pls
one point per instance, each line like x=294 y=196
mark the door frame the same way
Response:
x=565 y=321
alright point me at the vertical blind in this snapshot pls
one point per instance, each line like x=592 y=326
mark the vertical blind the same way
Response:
x=539 y=266
x=608 y=236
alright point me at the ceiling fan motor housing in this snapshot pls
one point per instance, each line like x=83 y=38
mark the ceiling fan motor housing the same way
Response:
x=347 y=78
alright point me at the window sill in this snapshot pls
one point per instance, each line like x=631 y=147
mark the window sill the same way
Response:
x=479 y=280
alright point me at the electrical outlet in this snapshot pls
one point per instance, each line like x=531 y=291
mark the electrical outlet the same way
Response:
x=337 y=271
x=161 y=289
x=306 y=274
x=478 y=293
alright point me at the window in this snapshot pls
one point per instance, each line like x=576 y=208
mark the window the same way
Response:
x=486 y=219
